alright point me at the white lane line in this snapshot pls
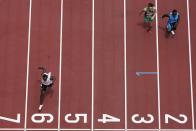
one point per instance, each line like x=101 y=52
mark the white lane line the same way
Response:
x=42 y=129
x=177 y=129
x=125 y=63
x=75 y=129
x=142 y=129
x=158 y=75
x=110 y=129
x=11 y=129
x=28 y=57
x=60 y=66
x=93 y=43
x=190 y=67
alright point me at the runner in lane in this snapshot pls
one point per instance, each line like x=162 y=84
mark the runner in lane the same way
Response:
x=141 y=56
x=44 y=51
x=192 y=10
x=76 y=62
x=149 y=15
x=173 y=21
x=46 y=83
x=13 y=59
x=174 y=69
x=109 y=62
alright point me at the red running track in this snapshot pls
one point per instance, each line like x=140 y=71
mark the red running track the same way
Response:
x=142 y=97
x=44 y=51
x=76 y=61
x=13 y=59
x=115 y=92
x=109 y=62
x=193 y=46
x=174 y=68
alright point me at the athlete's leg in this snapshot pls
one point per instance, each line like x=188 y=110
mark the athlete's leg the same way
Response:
x=42 y=95
x=149 y=26
x=145 y=22
x=175 y=26
x=169 y=27
x=148 y=23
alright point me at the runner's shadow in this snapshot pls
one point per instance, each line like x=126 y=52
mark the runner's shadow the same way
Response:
x=142 y=24
x=167 y=35
x=50 y=91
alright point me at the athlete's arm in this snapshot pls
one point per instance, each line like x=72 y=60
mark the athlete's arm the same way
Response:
x=52 y=78
x=42 y=69
x=178 y=18
x=155 y=11
x=176 y=24
x=165 y=15
x=141 y=12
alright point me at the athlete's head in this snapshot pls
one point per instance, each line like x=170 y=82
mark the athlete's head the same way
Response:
x=150 y=5
x=174 y=12
x=44 y=77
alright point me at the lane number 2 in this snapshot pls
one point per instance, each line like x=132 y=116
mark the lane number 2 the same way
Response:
x=105 y=118
x=181 y=120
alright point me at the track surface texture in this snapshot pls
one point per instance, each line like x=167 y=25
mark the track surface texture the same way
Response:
x=97 y=50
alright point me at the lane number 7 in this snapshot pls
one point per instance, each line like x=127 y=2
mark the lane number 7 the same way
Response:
x=17 y=120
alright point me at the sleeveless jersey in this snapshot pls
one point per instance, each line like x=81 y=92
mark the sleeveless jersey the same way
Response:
x=149 y=11
x=173 y=19
x=48 y=81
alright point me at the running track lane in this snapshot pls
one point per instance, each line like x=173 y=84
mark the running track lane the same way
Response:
x=45 y=32
x=76 y=62
x=13 y=56
x=192 y=5
x=174 y=68
x=109 y=62
x=141 y=56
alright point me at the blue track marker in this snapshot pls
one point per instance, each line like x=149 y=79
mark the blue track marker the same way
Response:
x=146 y=73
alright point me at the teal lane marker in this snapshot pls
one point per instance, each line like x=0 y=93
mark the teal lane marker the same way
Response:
x=146 y=73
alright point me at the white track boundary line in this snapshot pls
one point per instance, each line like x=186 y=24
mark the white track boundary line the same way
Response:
x=110 y=129
x=177 y=130
x=93 y=54
x=28 y=57
x=60 y=66
x=77 y=129
x=12 y=129
x=37 y=129
x=190 y=66
x=125 y=64
x=143 y=129
x=42 y=129
x=158 y=75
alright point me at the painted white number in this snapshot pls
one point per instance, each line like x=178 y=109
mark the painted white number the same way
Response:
x=11 y=120
x=77 y=118
x=108 y=118
x=137 y=119
x=41 y=118
x=183 y=118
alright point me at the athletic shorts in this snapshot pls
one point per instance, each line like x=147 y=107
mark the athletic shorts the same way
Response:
x=148 y=19
x=44 y=87
x=170 y=26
